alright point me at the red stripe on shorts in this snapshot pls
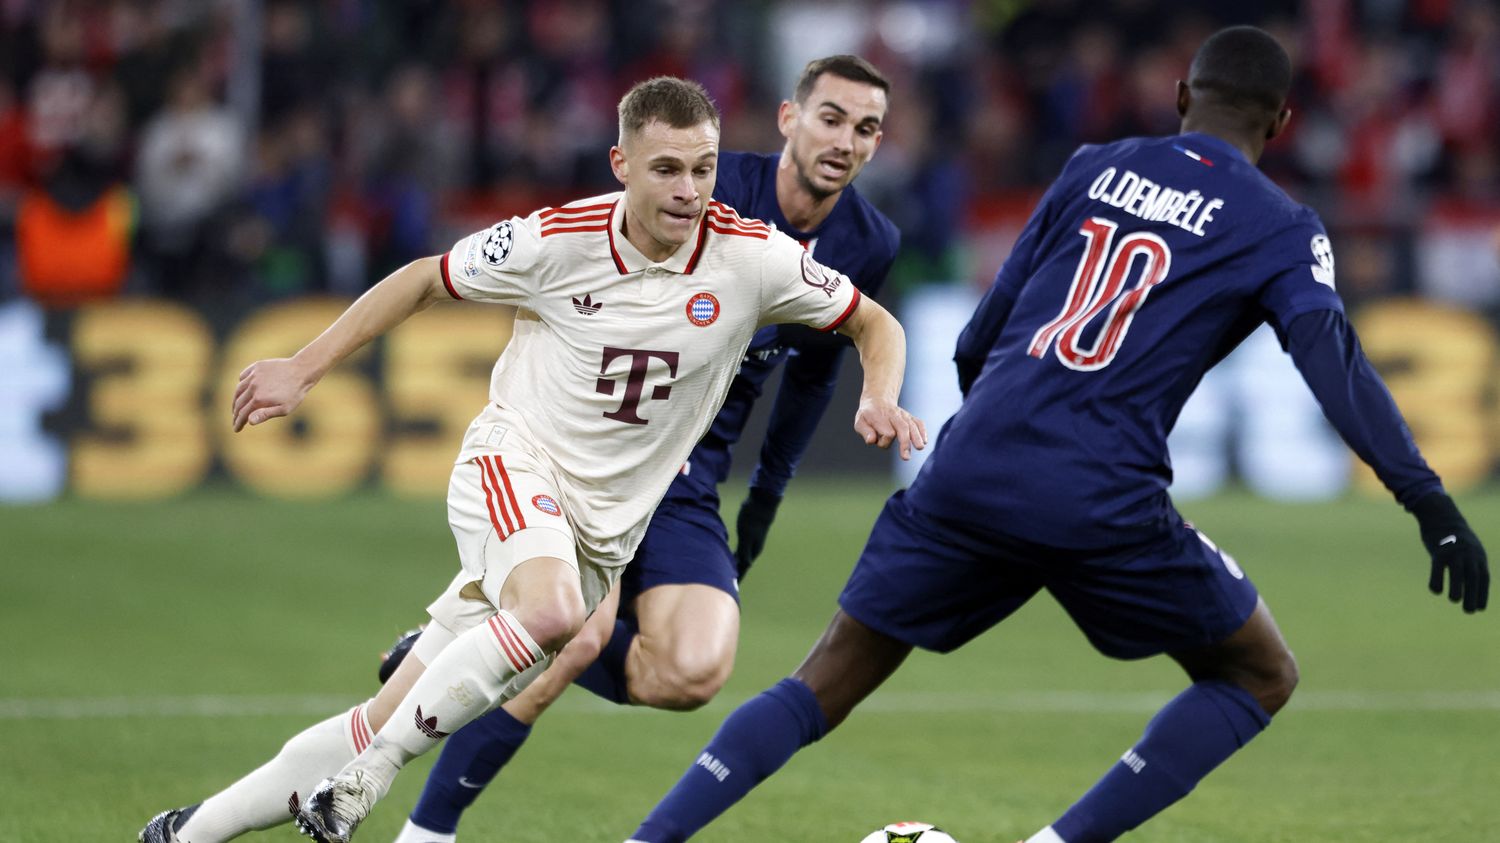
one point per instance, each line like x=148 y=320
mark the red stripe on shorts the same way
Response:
x=492 y=485
x=515 y=505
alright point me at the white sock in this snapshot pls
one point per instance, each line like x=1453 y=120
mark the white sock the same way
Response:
x=264 y=797
x=1046 y=835
x=413 y=833
x=467 y=679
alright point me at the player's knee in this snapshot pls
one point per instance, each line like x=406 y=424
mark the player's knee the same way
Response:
x=689 y=679
x=552 y=623
x=1278 y=682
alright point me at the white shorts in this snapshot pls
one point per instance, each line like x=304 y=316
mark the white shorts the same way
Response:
x=504 y=508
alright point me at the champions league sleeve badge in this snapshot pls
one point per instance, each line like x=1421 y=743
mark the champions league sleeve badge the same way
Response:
x=497 y=245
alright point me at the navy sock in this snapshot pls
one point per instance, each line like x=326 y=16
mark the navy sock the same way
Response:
x=606 y=676
x=753 y=743
x=1187 y=739
x=470 y=759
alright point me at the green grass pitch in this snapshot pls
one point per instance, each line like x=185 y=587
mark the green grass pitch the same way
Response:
x=153 y=652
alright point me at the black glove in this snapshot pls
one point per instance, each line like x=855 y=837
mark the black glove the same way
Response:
x=754 y=522
x=1455 y=549
x=392 y=658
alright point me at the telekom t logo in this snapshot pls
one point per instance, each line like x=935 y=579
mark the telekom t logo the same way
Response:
x=635 y=380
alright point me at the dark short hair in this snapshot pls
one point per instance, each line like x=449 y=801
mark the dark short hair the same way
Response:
x=678 y=103
x=853 y=68
x=1244 y=68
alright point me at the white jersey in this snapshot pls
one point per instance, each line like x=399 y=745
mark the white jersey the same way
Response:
x=618 y=364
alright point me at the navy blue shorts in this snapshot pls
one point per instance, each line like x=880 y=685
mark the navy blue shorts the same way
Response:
x=686 y=543
x=937 y=585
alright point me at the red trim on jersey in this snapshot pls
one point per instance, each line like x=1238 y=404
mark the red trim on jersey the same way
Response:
x=737 y=232
x=548 y=232
x=510 y=493
x=728 y=215
x=692 y=263
x=613 y=252
x=754 y=231
x=853 y=303
x=552 y=212
x=443 y=266
x=590 y=217
x=491 y=491
x=514 y=652
x=738 y=226
x=733 y=215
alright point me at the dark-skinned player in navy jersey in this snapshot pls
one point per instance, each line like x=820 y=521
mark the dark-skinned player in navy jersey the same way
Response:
x=1146 y=262
x=674 y=642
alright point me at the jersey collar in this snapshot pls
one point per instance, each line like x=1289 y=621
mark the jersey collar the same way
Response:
x=628 y=259
x=1223 y=147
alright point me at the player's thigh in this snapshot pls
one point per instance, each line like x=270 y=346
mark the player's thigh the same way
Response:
x=690 y=629
x=932 y=584
x=1177 y=593
x=515 y=543
x=685 y=544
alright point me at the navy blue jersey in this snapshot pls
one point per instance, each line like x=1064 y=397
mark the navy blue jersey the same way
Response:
x=1145 y=263
x=856 y=240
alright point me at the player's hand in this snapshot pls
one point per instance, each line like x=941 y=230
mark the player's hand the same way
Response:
x=269 y=389
x=754 y=522
x=1456 y=552
x=880 y=423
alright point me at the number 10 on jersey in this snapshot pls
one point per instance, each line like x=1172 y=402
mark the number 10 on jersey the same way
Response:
x=1098 y=283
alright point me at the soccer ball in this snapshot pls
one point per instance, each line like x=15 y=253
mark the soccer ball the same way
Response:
x=909 y=833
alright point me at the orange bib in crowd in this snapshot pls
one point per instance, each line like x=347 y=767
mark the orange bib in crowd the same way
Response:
x=68 y=258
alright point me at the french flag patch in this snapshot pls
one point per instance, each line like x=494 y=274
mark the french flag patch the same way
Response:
x=1193 y=155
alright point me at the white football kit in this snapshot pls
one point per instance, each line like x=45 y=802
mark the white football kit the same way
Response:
x=616 y=369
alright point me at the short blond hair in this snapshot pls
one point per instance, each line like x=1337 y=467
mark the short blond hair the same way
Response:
x=679 y=103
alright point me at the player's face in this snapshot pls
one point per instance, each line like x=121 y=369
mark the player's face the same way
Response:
x=669 y=176
x=832 y=134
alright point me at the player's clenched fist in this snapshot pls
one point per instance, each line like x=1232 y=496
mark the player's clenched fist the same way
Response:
x=881 y=424
x=269 y=389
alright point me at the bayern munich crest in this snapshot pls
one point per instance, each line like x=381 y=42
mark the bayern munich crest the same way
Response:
x=703 y=309
x=547 y=504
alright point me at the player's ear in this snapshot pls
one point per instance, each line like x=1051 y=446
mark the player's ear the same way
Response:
x=1184 y=98
x=1283 y=117
x=786 y=118
x=619 y=165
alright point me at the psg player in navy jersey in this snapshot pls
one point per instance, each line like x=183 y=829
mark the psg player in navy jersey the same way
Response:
x=674 y=643
x=1144 y=265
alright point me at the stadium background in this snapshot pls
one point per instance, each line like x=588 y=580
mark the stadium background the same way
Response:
x=188 y=186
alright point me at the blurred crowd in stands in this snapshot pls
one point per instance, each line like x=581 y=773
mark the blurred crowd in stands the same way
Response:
x=231 y=152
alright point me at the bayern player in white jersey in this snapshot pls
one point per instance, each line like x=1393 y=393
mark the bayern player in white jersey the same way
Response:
x=633 y=312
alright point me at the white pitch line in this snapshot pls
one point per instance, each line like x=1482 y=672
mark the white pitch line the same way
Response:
x=891 y=702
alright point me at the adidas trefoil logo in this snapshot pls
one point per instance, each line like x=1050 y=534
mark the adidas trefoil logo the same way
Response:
x=587 y=306
x=428 y=726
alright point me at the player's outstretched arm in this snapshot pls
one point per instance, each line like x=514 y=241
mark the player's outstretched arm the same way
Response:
x=882 y=352
x=272 y=388
x=1327 y=353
